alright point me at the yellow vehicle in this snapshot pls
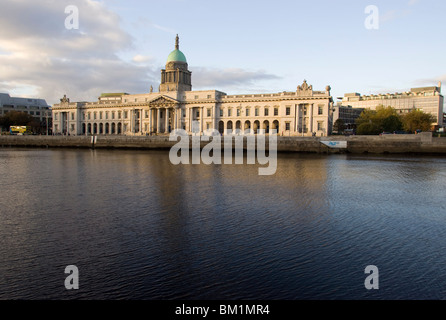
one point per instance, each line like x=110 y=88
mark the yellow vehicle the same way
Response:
x=20 y=130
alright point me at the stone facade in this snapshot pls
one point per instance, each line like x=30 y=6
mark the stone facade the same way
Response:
x=303 y=112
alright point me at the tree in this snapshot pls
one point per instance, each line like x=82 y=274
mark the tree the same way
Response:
x=339 y=126
x=15 y=118
x=367 y=129
x=392 y=123
x=418 y=120
x=383 y=119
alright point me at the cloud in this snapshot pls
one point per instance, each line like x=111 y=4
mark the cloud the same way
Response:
x=165 y=29
x=142 y=59
x=389 y=16
x=38 y=52
x=430 y=81
x=228 y=78
x=413 y=2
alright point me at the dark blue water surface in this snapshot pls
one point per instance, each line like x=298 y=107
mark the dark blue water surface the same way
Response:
x=138 y=227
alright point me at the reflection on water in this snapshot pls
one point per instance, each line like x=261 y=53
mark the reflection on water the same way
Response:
x=138 y=227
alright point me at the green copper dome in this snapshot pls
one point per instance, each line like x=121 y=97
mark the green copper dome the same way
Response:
x=176 y=55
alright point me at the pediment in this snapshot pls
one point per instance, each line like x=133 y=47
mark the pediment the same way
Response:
x=163 y=101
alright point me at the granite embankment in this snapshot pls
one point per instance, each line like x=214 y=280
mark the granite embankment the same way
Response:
x=422 y=143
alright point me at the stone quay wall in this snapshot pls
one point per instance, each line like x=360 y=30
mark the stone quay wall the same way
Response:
x=423 y=143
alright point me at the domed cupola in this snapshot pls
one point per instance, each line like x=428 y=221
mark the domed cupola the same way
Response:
x=176 y=55
x=176 y=76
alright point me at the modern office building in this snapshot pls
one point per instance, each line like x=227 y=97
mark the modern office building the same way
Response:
x=427 y=99
x=38 y=108
x=347 y=114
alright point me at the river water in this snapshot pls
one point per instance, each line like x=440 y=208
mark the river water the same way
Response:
x=138 y=227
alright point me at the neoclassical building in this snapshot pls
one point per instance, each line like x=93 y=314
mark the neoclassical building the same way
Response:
x=303 y=112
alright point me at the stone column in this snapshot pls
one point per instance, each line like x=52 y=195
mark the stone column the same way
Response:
x=150 y=121
x=201 y=119
x=311 y=117
x=141 y=120
x=190 y=119
x=153 y=119
x=158 y=120
x=166 y=129
x=175 y=118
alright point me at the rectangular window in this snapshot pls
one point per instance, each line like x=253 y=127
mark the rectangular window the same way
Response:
x=288 y=111
x=126 y=114
x=37 y=113
x=119 y=114
x=196 y=97
x=209 y=96
x=94 y=115
x=106 y=115
x=184 y=113
x=89 y=116
x=209 y=113
x=208 y=125
x=100 y=115
x=320 y=110
x=257 y=112
x=266 y=112
x=229 y=112
x=238 y=112
x=113 y=115
x=72 y=115
x=221 y=112
x=31 y=113
x=276 y=111
x=147 y=114
x=247 y=112
x=287 y=126
x=320 y=126
x=83 y=115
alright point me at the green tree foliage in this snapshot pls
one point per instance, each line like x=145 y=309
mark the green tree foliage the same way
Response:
x=392 y=123
x=383 y=119
x=339 y=126
x=367 y=128
x=418 y=120
x=15 y=118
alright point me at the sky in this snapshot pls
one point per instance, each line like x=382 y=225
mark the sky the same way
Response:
x=234 y=46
